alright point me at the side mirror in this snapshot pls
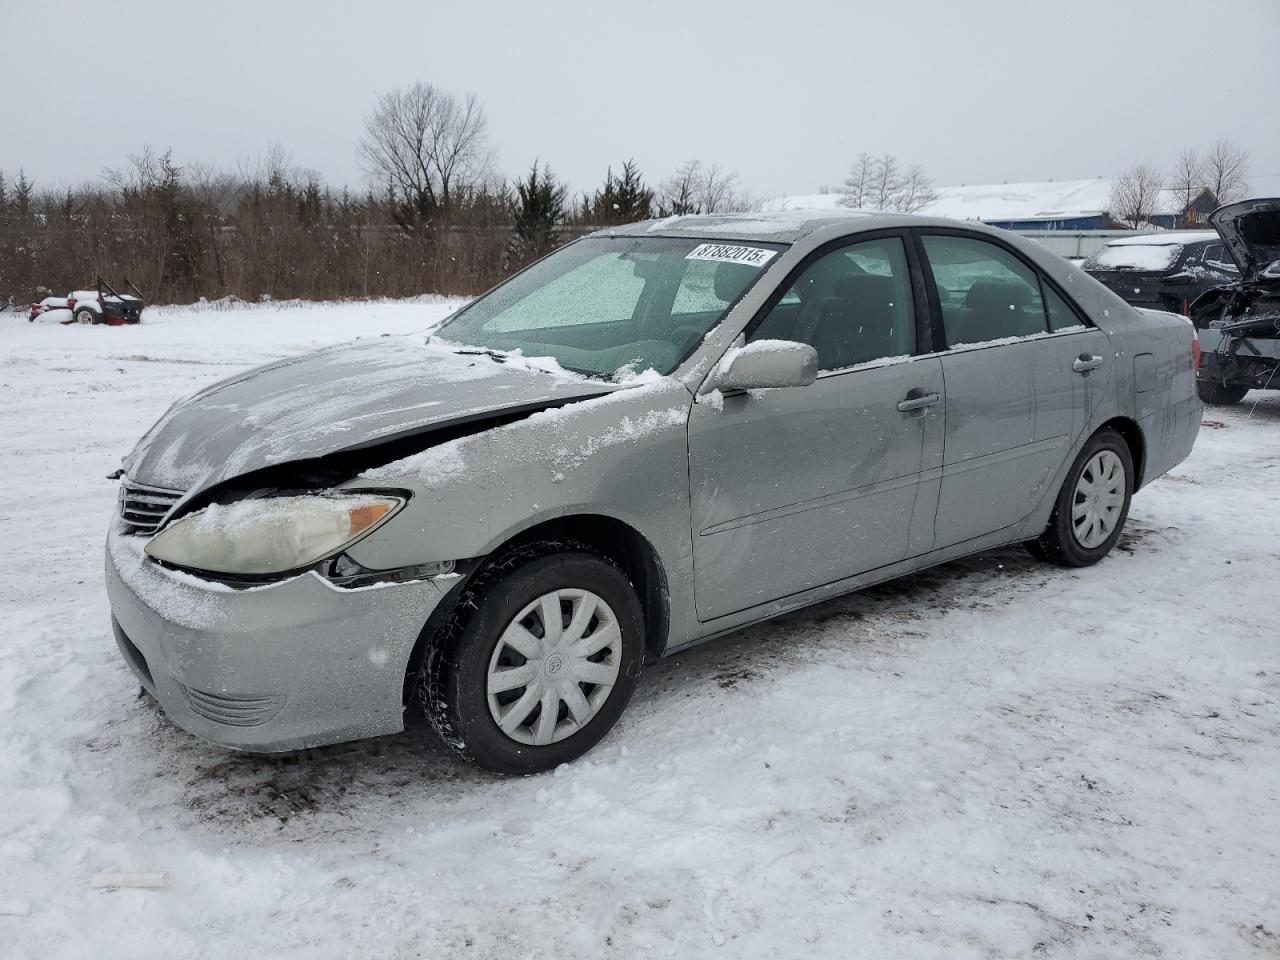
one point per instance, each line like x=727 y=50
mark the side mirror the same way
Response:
x=769 y=364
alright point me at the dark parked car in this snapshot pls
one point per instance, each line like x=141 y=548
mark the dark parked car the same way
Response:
x=1163 y=271
x=1239 y=323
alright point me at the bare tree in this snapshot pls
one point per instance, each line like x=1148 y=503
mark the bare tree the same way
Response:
x=886 y=182
x=1187 y=180
x=679 y=194
x=426 y=146
x=272 y=163
x=695 y=188
x=720 y=193
x=857 y=186
x=915 y=191
x=1225 y=168
x=1135 y=195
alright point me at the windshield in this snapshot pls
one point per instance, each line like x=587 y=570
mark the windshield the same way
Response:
x=610 y=304
x=1135 y=256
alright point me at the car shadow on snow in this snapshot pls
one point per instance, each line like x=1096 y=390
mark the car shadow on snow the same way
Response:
x=319 y=791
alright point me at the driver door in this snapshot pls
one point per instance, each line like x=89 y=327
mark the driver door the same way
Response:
x=795 y=488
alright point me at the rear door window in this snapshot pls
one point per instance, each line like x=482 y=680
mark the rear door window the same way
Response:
x=986 y=293
x=1217 y=258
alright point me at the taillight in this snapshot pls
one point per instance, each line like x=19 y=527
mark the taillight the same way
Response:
x=1195 y=350
x=71 y=303
x=35 y=308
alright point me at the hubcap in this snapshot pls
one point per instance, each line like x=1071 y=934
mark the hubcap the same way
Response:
x=1099 y=497
x=554 y=667
x=84 y=316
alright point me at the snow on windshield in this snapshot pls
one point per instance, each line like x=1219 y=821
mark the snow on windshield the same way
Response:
x=1132 y=256
x=1153 y=252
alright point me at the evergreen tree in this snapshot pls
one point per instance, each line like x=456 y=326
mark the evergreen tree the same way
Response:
x=182 y=269
x=311 y=202
x=539 y=208
x=23 y=189
x=623 y=199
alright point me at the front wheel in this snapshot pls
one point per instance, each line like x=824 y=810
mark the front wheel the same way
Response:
x=1092 y=506
x=1218 y=394
x=539 y=662
x=86 y=316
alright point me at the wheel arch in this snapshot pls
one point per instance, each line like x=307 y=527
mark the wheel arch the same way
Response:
x=1132 y=433
x=613 y=538
x=626 y=546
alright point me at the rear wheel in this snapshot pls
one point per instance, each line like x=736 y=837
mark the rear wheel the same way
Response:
x=1219 y=395
x=86 y=316
x=1092 y=506
x=539 y=663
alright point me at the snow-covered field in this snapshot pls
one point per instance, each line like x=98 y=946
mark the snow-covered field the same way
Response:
x=991 y=759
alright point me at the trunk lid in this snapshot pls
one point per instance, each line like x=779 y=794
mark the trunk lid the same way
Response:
x=1251 y=231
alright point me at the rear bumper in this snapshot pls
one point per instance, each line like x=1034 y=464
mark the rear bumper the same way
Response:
x=1240 y=361
x=291 y=665
x=1170 y=436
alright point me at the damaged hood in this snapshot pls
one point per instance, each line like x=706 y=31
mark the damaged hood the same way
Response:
x=1251 y=231
x=341 y=398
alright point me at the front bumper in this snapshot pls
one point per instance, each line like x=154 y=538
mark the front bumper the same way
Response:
x=294 y=664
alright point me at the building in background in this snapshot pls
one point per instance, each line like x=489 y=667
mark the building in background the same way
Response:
x=1047 y=205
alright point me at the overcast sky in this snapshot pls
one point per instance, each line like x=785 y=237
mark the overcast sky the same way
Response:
x=785 y=93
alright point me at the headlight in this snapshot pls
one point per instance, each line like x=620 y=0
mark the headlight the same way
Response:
x=270 y=535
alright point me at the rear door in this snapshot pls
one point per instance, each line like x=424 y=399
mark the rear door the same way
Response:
x=1022 y=371
x=795 y=488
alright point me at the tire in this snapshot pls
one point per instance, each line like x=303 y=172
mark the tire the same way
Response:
x=86 y=316
x=1072 y=542
x=504 y=603
x=1219 y=395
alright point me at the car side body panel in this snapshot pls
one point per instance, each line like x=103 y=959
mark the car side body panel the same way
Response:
x=622 y=456
x=797 y=487
x=626 y=455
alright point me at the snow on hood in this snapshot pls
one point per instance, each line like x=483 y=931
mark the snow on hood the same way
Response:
x=343 y=397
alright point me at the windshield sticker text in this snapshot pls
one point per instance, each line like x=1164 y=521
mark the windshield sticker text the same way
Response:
x=727 y=253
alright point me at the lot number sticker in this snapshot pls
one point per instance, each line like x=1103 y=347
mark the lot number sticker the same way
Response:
x=726 y=253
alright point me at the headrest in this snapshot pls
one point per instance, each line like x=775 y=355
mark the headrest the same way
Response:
x=731 y=279
x=865 y=288
x=997 y=295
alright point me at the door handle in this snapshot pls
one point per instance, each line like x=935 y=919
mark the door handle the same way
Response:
x=918 y=400
x=1086 y=362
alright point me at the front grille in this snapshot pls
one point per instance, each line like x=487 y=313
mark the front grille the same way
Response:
x=144 y=508
x=247 y=711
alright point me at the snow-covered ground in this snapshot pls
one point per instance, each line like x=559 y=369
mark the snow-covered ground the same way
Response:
x=995 y=758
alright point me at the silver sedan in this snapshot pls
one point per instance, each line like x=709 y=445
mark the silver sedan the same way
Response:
x=654 y=436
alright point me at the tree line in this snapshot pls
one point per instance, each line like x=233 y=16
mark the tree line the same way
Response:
x=1143 y=190
x=435 y=216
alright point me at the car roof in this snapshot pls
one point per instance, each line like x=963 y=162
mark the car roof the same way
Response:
x=783 y=226
x=1171 y=238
